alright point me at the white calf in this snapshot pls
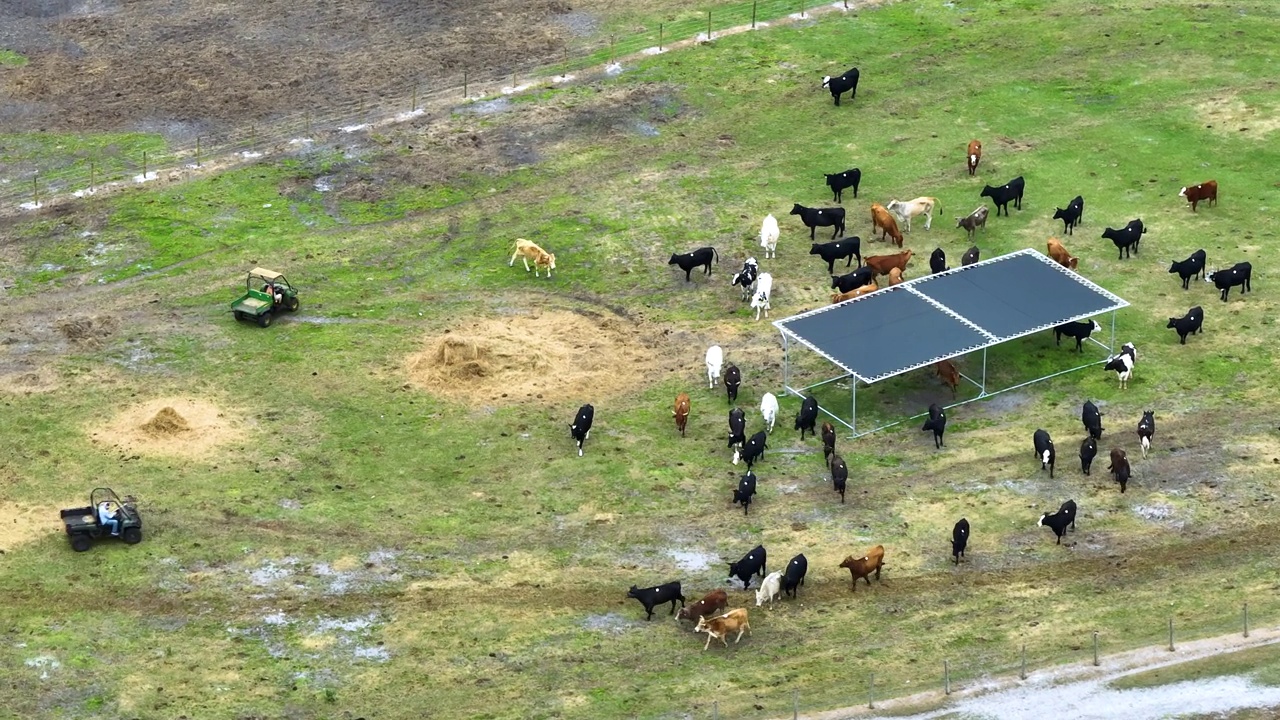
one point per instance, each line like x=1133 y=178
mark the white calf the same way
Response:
x=760 y=301
x=769 y=589
x=907 y=210
x=715 y=358
x=769 y=236
x=769 y=409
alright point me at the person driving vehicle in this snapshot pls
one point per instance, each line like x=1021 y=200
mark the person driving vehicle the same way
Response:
x=107 y=517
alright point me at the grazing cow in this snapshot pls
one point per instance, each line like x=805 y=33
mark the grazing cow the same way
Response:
x=764 y=289
x=769 y=236
x=949 y=374
x=1092 y=419
x=1122 y=364
x=769 y=410
x=895 y=277
x=814 y=218
x=1191 y=267
x=970 y=256
x=769 y=588
x=828 y=440
x=746 y=277
x=1088 y=451
x=701 y=257
x=1146 y=430
x=1072 y=216
x=1237 y=274
x=973 y=155
x=1207 y=190
x=1061 y=256
x=581 y=427
x=737 y=431
x=856 y=292
x=1119 y=467
x=720 y=627
x=1059 y=521
x=1191 y=323
x=1044 y=450
x=840 y=181
x=732 y=380
x=715 y=359
x=883 y=220
x=937 y=261
x=711 y=603
x=751 y=564
x=937 y=422
x=855 y=279
x=882 y=264
x=794 y=577
x=745 y=491
x=530 y=251
x=753 y=450
x=863 y=567
x=846 y=83
x=839 y=474
x=681 y=412
x=658 y=594
x=973 y=221
x=904 y=211
x=1126 y=238
x=848 y=249
x=807 y=418
x=1003 y=195
x=959 y=540
x=1080 y=330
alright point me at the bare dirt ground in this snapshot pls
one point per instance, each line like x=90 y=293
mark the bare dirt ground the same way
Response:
x=25 y=523
x=169 y=426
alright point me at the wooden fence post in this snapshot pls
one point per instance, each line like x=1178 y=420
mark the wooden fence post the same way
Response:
x=753 y=15
x=144 y=165
x=659 y=37
x=946 y=677
x=1024 y=662
x=197 y=151
x=708 y=26
x=1171 y=635
x=1095 y=648
x=1246 y=619
x=871 y=692
x=91 y=169
x=415 y=99
x=715 y=710
x=464 y=84
x=795 y=705
x=35 y=189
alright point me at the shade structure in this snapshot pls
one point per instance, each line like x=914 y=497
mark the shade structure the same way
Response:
x=945 y=315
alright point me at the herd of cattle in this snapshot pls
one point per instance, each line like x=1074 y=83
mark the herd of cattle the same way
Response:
x=757 y=287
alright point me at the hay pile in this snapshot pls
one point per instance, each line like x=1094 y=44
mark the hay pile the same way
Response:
x=185 y=427
x=166 y=423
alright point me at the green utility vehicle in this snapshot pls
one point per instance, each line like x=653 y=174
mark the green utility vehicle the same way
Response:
x=86 y=524
x=265 y=293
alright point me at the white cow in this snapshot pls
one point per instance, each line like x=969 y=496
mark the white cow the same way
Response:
x=769 y=236
x=769 y=409
x=769 y=589
x=920 y=206
x=715 y=359
x=760 y=301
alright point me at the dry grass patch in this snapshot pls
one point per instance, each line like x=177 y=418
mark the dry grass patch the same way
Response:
x=25 y=523
x=1228 y=114
x=183 y=427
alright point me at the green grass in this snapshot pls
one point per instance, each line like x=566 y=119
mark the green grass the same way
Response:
x=1262 y=664
x=11 y=58
x=363 y=544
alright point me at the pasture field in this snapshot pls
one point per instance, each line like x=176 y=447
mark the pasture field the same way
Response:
x=373 y=508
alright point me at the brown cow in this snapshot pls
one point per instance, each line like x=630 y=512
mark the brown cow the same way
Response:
x=895 y=276
x=712 y=602
x=720 y=627
x=828 y=440
x=882 y=219
x=863 y=567
x=883 y=263
x=948 y=373
x=1060 y=254
x=681 y=412
x=974 y=155
x=856 y=292
x=1119 y=468
x=1207 y=190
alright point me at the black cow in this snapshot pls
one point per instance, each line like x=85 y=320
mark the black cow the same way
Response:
x=1072 y=216
x=1192 y=322
x=657 y=595
x=814 y=218
x=846 y=83
x=753 y=450
x=732 y=380
x=1237 y=274
x=839 y=474
x=746 y=277
x=828 y=440
x=1146 y=430
x=793 y=578
x=737 y=428
x=581 y=427
x=959 y=540
x=1044 y=450
x=1092 y=419
x=848 y=248
x=1080 y=330
x=1126 y=237
x=853 y=280
x=1059 y=521
x=807 y=418
x=938 y=261
x=840 y=181
x=970 y=256
x=1189 y=268
x=1003 y=195
x=1088 y=451
x=937 y=422
x=746 y=488
x=690 y=260
x=751 y=564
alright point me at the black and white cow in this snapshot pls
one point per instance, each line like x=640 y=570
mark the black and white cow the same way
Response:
x=745 y=490
x=737 y=430
x=1080 y=330
x=807 y=418
x=1237 y=274
x=1071 y=216
x=732 y=381
x=853 y=280
x=1059 y=521
x=847 y=248
x=1122 y=364
x=1003 y=195
x=794 y=577
x=1189 y=268
x=753 y=450
x=937 y=261
x=751 y=564
x=1088 y=451
x=701 y=257
x=581 y=427
x=658 y=594
x=814 y=218
x=1092 y=420
x=846 y=83
x=839 y=474
x=1146 y=430
x=746 y=277
x=1191 y=323
x=959 y=540
x=1126 y=238
x=847 y=179
x=1044 y=450
x=937 y=422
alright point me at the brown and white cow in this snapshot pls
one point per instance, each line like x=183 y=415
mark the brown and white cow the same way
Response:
x=974 y=155
x=720 y=627
x=863 y=567
x=1207 y=190
x=681 y=412
x=1061 y=256
x=882 y=264
x=904 y=211
x=528 y=250
x=882 y=219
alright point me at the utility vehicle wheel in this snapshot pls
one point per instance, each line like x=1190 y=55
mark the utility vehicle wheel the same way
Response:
x=132 y=536
x=292 y=304
x=264 y=320
x=80 y=543
x=239 y=315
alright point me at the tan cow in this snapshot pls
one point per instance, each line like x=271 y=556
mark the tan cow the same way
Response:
x=856 y=292
x=863 y=567
x=904 y=211
x=720 y=627
x=527 y=251
x=883 y=220
x=895 y=276
x=1060 y=254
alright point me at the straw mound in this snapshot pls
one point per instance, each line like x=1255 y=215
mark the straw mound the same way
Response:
x=184 y=427
x=166 y=423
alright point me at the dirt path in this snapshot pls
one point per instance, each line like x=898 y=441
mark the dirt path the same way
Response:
x=1081 y=691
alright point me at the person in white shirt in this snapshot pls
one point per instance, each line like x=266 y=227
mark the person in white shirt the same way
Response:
x=107 y=517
